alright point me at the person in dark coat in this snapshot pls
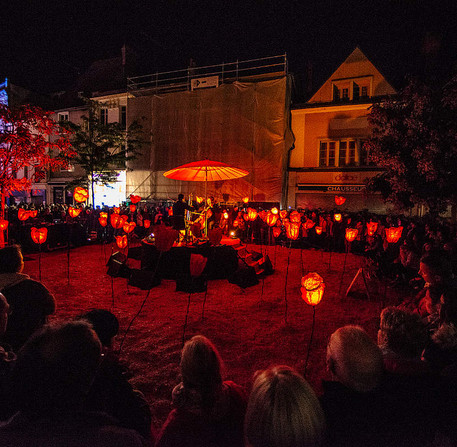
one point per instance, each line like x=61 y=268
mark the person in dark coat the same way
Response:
x=208 y=412
x=179 y=209
x=30 y=301
x=51 y=378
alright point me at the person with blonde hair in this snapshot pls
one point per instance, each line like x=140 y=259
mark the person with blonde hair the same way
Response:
x=283 y=411
x=208 y=411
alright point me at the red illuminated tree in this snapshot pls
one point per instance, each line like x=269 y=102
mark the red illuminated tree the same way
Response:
x=415 y=140
x=29 y=138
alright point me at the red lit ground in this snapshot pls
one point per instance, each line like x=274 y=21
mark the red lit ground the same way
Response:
x=247 y=326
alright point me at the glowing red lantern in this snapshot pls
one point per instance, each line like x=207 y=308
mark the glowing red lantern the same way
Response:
x=263 y=215
x=3 y=224
x=351 y=234
x=103 y=221
x=274 y=210
x=118 y=221
x=74 y=212
x=128 y=227
x=337 y=217
x=121 y=241
x=146 y=223
x=132 y=208
x=39 y=235
x=33 y=213
x=170 y=211
x=312 y=289
x=197 y=265
x=245 y=217
x=393 y=234
x=236 y=223
x=80 y=194
x=252 y=214
x=283 y=214
x=226 y=215
x=104 y=215
x=295 y=216
x=134 y=198
x=23 y=214
x=339 y=200
x=276 y=231
x=308 y=224
x=245 y=199
x=116 y=210
x=372 y=227
x=318 y=230
x=271 y=219
x=293 y=230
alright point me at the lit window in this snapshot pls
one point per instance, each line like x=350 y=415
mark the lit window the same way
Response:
x=323 y=154
x=338 y=153
x=331 y=153
x=351 y=160
x=343 y=153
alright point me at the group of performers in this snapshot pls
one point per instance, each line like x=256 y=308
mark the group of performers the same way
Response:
x=191 y=218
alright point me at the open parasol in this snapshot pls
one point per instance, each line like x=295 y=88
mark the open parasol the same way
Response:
x=205 y=171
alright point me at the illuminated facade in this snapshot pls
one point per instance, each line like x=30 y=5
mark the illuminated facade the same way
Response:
x=330 y=129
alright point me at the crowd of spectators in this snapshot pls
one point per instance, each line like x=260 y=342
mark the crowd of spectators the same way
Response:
x=62 y=384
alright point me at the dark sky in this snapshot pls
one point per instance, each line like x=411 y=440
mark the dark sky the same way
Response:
x=45 y=44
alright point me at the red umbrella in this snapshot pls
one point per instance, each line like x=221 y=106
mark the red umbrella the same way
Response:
x=205 y=171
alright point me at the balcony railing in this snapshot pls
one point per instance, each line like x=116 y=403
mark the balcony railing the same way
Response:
x=181 y=80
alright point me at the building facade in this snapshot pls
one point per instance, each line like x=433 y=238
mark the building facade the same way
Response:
x=328 y=157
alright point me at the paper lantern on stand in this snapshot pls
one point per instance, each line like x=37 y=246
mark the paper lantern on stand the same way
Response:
x=351 y=234
x=295 y=217
x=271 y=219
x=393 y=234
x=283 y=214
x=33 y=213
x=252 y=214
x=337 y=217
x=293 y=231
x=146 y=223
x=308 y=224
x=116 y=210
x=339 y=200
x=80 y=194
x=74 y=212
x=39 y=235
x=103 y=221
x=134 y=198
x=128 y=227
x=372 y=227
x=23 y=214
x=318 y=230
x=104 y=215
x=3 y=224
x=225 y=215
x=132 y=208
x=274 y=210
x=121 y=241
x=276 y=232
x=312 y=289
x=118 y=221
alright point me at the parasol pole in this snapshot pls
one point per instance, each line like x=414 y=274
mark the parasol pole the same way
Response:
x=206 y=200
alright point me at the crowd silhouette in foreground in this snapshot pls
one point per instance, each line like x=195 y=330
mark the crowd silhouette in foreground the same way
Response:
x=63 y=385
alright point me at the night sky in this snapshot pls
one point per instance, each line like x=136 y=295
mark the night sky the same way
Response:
x=45 y=45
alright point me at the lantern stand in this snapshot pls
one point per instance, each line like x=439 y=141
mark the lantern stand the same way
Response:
x=348 y=244
x=187 y=313
x=360 y=271
x=310 y=340
x=39 y=262
x=204 y=302
x=142 y=304
x=285 y=283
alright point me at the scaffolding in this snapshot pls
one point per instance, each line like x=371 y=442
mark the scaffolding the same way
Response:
x=181 y=80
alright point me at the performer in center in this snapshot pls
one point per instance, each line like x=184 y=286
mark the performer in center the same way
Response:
x=179 y=210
